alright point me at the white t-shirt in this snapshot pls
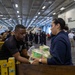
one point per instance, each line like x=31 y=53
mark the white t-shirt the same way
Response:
x=71 y=35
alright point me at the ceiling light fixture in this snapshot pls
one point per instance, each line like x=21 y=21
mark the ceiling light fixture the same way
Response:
x=35 y=16
x=54 y=13
x=62 y=8
x=38 y=13
x=33 y=19
x=20 y=18
x=10 y=19
x=1 y=15
x=17 y=11
x=16 y=5
x=18 y=15
x=4 y=18
x=49 y=2
x=43 y=7
x=47 y=17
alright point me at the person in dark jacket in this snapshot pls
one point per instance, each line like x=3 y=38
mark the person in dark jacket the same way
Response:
x=44 y=38
x=60 y=49
x=26 y=40
x=36 y=38
x=31 y=38
x=41 y=38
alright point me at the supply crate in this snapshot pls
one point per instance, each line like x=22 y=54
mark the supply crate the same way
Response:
x=7 y=67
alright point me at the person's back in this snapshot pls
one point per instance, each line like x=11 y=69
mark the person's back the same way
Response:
x=5 y=53
x=30 y=36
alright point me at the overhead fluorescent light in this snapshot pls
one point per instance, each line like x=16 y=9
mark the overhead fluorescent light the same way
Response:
x=10 y=19
x=4 y=18
x=17 y=11
x=47 y=17
x=1 y=15
x=54 y=13
x=38 y=13
x=62 y=8
x=33 y=19
x=16 y=5
x=18 y=15
x=49 y=2
x=36 y=16
x=43 y=7
x=20 y=18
